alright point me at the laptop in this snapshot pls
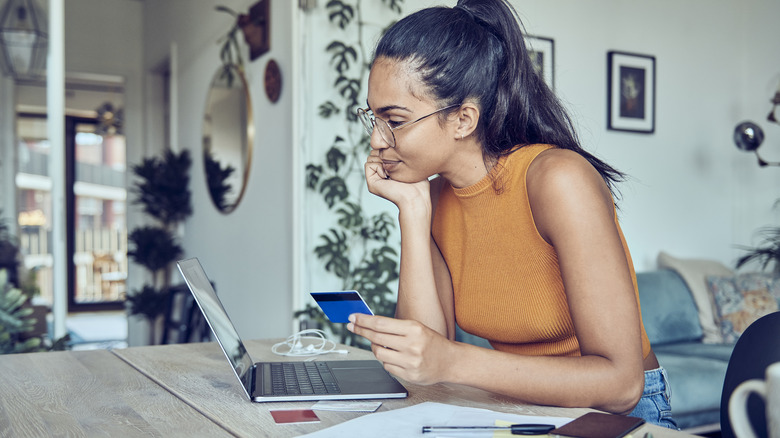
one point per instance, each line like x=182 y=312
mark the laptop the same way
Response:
x=286 y=381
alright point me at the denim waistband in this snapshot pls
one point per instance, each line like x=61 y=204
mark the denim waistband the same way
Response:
x=657 y=381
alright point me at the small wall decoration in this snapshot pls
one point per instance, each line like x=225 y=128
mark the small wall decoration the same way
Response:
x=542 y=53
x=273 y=81
x=631 y=92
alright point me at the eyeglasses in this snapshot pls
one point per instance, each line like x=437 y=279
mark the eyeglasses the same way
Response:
x=370 y=121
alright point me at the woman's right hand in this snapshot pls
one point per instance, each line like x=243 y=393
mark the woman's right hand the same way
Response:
x=402 y=194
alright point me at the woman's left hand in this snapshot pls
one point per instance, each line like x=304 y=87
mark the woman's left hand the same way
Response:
x=408 y=349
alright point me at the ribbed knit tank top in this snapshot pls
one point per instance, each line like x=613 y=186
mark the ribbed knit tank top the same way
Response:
x=506 y=278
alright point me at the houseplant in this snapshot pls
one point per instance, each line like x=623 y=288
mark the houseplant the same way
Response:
x=23 y=325
x=163 y=191
x=15 y=320
x=357 y=247
x=767 y=253
x=9 y=251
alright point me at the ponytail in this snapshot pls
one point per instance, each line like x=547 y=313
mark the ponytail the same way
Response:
x=476 y=51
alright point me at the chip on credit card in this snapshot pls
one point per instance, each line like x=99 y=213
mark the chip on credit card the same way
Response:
x=338 y=305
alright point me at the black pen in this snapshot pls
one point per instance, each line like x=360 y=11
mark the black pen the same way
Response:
x=515 y=429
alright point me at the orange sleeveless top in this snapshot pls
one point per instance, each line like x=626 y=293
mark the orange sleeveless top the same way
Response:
x=506 y=278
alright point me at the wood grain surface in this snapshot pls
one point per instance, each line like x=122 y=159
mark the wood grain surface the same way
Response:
x=211 y=388
x=89 y=393
x=187 y=390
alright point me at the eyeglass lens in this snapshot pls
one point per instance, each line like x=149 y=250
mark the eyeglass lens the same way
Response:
x=369 y=122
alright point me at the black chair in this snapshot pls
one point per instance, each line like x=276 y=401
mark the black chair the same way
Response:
x=756 y=349
x=184 y=321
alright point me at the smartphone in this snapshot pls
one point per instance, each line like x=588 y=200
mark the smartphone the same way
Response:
x=338 y=305
x=598 y=425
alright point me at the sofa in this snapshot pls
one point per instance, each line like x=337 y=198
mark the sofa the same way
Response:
x=696 y=368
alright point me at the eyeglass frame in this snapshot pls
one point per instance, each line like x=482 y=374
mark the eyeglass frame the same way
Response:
x=373 y=118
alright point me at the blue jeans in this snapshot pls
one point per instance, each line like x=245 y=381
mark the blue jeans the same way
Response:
x=654 y=406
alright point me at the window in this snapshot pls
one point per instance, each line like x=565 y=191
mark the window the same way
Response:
x=96 y=204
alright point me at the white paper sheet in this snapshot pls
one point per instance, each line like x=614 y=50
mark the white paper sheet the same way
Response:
x=409 y=421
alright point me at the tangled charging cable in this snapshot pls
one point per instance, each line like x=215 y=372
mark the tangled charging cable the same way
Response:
x=320 y=344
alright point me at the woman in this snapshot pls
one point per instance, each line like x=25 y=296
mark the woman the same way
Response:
x=517 y=238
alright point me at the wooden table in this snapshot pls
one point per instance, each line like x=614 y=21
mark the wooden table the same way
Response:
x=89 y=393
x=184 y=390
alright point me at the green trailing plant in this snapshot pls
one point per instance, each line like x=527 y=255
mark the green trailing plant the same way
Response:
x=162 y=189
x=356 y=248
x=230 y=51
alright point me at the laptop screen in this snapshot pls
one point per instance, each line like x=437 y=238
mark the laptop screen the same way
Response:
x=218 y=320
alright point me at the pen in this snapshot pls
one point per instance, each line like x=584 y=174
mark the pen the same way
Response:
x=515 y=429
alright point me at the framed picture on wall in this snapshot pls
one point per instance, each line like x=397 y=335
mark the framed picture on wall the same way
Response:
x=542 y=53
x=631 y=92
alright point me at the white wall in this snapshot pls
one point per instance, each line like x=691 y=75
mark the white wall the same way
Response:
x=247 y=253
x=692 y=193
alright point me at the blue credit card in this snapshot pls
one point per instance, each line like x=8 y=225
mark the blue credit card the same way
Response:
x=337 y=306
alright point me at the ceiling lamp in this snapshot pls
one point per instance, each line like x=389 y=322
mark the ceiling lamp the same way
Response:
x=24 y=39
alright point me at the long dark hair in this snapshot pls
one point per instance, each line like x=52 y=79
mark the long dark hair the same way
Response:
x=476 y=51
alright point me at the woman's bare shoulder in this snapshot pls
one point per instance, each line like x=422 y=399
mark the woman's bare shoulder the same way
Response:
x=565 y=173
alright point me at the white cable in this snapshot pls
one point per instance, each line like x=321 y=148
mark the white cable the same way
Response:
x=320 y=344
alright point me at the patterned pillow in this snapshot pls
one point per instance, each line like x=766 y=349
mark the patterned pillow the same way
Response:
x=742 y=299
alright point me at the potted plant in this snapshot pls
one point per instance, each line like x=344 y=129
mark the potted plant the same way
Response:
x=9 y=252
x=767 y=253
x=23 y=326
x=163 y=191
x=15 y=320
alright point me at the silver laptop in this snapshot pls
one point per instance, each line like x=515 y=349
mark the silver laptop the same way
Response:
x=286 y=381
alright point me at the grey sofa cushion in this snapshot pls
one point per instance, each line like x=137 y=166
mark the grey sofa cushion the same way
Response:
x=668 y=310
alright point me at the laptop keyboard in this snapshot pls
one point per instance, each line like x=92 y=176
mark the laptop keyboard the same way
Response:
x=301 y=378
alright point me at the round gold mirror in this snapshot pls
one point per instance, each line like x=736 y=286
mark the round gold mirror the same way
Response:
x=228 y=137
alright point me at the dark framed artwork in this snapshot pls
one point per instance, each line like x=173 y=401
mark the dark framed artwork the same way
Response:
x=631 y=92
x=541 y=50
x=255 y=26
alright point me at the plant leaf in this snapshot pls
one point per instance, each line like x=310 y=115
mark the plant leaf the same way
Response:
x=313 y=174
x=334 y=190
x=351 y=216
x=335 y=156
x=340 y=13
x=153 y=247
x=348 y=88
x=163 y=187
x=394 y=5
x=333 y=252
x=342 y=56
x=382 y=226
x=328 y=109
